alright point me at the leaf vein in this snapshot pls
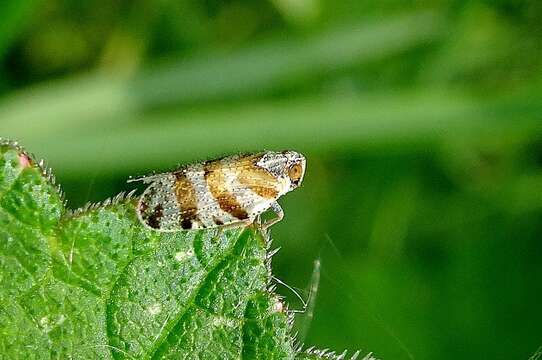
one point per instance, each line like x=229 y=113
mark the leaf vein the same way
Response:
x=192 y=301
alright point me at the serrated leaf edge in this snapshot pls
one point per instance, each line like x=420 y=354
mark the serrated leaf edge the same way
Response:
x=49 y=176
x=93 y=206
x=47 y=173
x=332 y=355
x=45 y=170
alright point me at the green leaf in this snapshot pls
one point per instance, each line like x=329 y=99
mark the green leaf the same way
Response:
x=95 y=284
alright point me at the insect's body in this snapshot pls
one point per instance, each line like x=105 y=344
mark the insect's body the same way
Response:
x=228 y=191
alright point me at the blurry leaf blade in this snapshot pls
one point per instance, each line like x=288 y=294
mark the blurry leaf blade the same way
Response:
x=342 y=123
x=256 y=70
x=275 y=63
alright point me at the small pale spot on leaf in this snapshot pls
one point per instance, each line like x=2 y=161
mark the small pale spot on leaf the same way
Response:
x=182 y=255
x=154 y=309
x=223 y=321
x=45 y=324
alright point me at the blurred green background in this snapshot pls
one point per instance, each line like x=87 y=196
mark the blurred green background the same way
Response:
x=421 y=122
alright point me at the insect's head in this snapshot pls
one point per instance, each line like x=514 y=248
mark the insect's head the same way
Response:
x=295 y=167
x=286 y=166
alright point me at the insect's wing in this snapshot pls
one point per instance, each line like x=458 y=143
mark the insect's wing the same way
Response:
x=181 y=201
x=243 y=172
x=215 y=193
x=241 y=187
x=260 y=182
x=157 y=207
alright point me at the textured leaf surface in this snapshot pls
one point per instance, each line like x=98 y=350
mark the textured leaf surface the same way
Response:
x=95 y=284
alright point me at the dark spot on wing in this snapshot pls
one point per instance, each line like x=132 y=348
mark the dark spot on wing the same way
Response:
x=153 y=220
x=186 y=224
x=186 y=199
x=229 y=204
x=216 y=182
x=143 y=206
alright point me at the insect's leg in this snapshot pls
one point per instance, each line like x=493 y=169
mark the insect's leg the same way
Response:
x=275 y=207
x=234 y=225
x=294 y=291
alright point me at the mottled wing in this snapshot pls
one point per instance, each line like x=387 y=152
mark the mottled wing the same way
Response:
x=256 y=179
x=241 y=188
x=219 y=192
x=169 y=203
x=157 y=207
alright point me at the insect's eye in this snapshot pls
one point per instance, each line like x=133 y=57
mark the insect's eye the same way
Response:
x=295 y=172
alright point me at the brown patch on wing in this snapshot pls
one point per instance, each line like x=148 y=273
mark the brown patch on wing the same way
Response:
x=153 y=220
x=216 y=182
x=259 y=180
x=186 y=198
x=143 y=206
x=230 y=205
x=186 y=224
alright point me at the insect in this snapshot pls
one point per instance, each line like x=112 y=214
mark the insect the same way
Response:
x=230 y=191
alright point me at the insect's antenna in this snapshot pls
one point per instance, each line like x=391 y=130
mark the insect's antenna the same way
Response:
x=311 y=301
x=132 y=179
x=293 y=291
x=145 y=179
